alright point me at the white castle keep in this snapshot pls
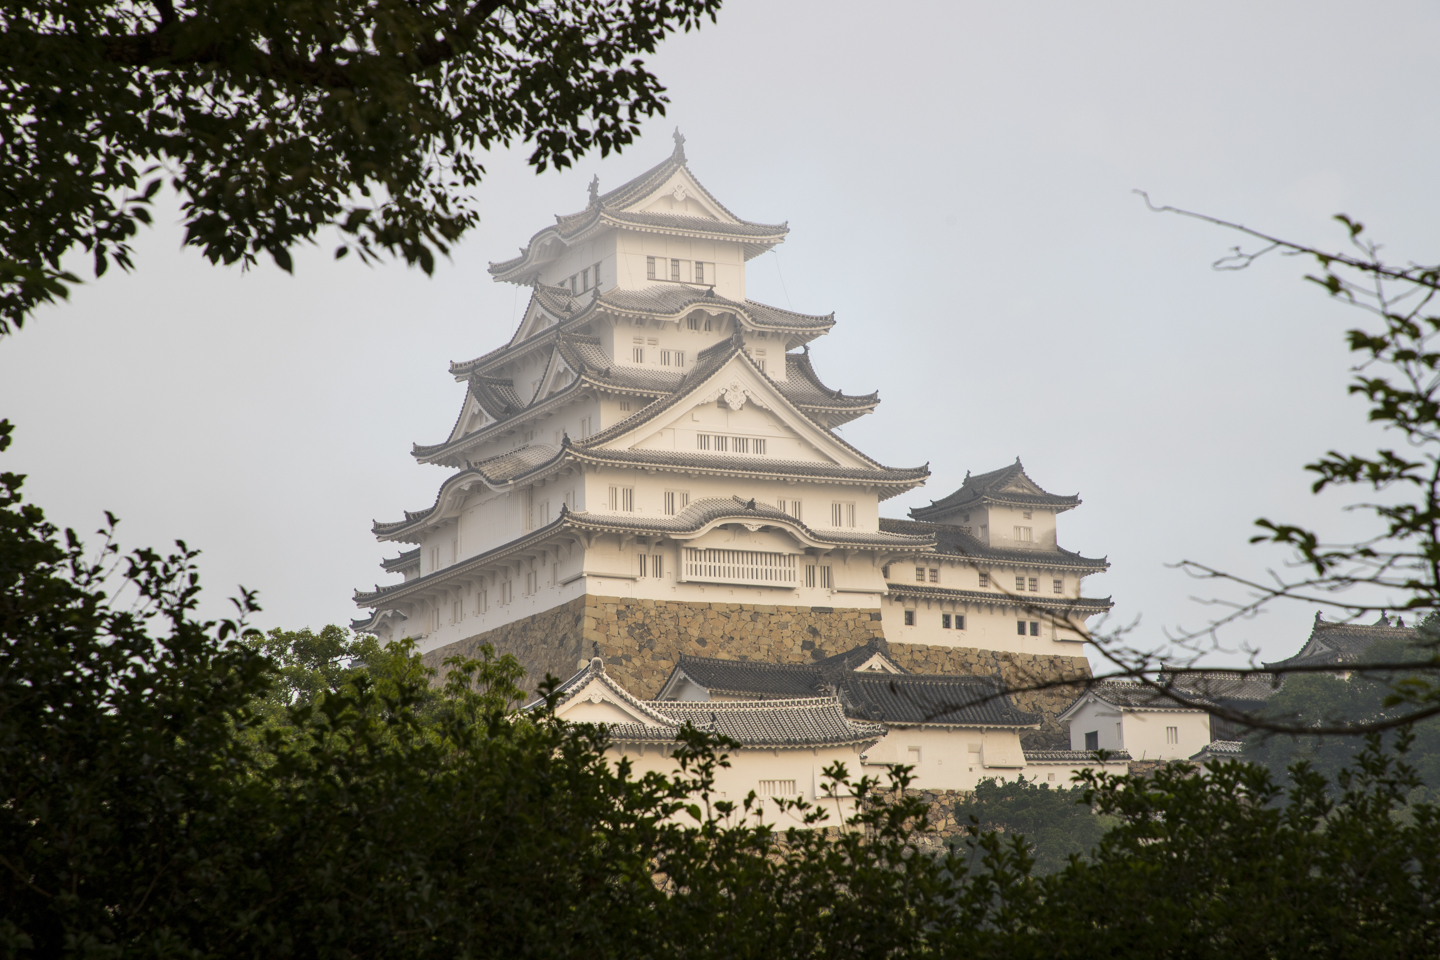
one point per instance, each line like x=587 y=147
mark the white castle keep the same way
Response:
x=649 y=468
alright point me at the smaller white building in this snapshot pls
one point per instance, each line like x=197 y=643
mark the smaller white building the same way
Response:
x=1133 y=717
x=786 y=744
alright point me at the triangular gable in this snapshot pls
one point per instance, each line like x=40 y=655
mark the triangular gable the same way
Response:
x=878 y=663
x=682 y=194
x=599 y=699
x=541 y=314
x=737 y=383
x=472 y=417
x=559 y=375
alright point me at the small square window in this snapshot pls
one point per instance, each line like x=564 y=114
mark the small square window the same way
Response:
x=959 y=621
x=909 y=618
x=1059 y=585
x=650 y=273
x=1020 y=627
x=1092 y=740
x=1034 y=584
x=984 y=580
x=1034 y=628
x=919 y=574
x=934 y=574
x=1019 y=583
x=945 y=621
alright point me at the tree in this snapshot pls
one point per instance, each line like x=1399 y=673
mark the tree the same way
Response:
x=1055 y=822
x=274 y=121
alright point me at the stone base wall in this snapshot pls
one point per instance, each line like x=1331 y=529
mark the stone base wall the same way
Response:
x=641 y=641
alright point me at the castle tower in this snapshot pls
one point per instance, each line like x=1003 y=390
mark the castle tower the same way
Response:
x=648 y=466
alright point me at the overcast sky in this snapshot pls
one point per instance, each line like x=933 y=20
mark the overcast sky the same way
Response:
x=957 y=178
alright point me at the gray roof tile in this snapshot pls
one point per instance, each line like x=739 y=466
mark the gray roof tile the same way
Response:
x=1009 y=485
x=953 y=541
x=930 y=699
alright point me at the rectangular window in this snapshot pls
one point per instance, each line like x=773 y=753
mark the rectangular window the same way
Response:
x=622 y=499
x=934 y=574
x=761 y=365
x=1020 y=627
x=756 y=567
x=638 y=354
x=885 y=571
x=842 y=514
x=585 y=429
x=585 y=278
x=693 y=323
x=675 y=501
x=721 y=444
x=650 y=269
x=945 y=621
x=625 y=406
x=810 y=575
x=527 y=509
x=532 y=583
x=1172 y=734
x=984 y=581
x=507 y=592
x=1019 y=583
x=759 y=445
x=1024 y=534
x=827 y=577
x=919 y=574
x=909 y=618
x=542 y=512
x=644 y=563
x=699 y=272
x=702 y=441
x=742 y=444
x=482 y=601
x=1092 y=740
x=595 y=272
x=790 y=507
x=675 y=270
x=777 y=788
x=664 y=358
x=1034 y=584
x=554 y=574
x=1034 y=628
x=1059 y=585
x=959 y=621
x=456 y=612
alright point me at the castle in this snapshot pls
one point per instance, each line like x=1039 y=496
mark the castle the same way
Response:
x=649 y=468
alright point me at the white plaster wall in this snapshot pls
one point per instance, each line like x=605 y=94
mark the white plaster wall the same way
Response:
x=947 y=758
x=632 y=249
x=1101 y=718
x=1146 y=738
x=986 y=628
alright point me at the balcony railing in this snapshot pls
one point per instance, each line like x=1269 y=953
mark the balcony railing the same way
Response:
x=750 y=567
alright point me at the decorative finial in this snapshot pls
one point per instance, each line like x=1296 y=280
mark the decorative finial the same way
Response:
x=679 y=145
x=595 y=190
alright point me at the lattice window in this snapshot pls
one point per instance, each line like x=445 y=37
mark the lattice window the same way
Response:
x=758 y=567
x=778 y=788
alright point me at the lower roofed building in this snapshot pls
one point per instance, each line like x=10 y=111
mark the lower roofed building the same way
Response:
x=650 y=467
x=788 y=742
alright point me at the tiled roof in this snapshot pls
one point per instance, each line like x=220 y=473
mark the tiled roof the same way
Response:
x=1074 y=757
x=794 y=722
x=807 y=721
x=1009 y=485
x=1342 y=643
x=708 y=510
x=672 y=300
x=1082 y=606
x=1134 y=695
x=496 y=395
x=803 y=388
x=1219 y=749
x=930 y=699
x=953 y=541
x=1223 y=685
x=751 y=466
x=610 y=207
x=407 y=558
x=760 y=679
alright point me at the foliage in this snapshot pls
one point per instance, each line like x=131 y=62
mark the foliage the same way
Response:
x=308 y=663
x=272 y=121
x=1055 y=822
x=150 y=809
x=1316 y=700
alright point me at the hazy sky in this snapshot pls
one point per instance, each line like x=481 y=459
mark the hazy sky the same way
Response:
x=957 y=178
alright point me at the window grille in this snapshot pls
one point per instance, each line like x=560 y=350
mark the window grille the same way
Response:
x=585 y=278
x=699 y=272
x=482 y=602
x=959 y=621
x=1034 y=628
x=777 y=788
x=650 y=269
x=623 y=499
x=909 y=618
x=676 y=500
x=1019 y=583
x=761 y=568
x=1172 y=734
x=934 y=574
x=759 y=444
x=810 y=575
x=638 y=354
x=1024 y=534
x=985 y=580
x=945 y=621
x=1059 y=585
x=1034 y=584
x=702 y=441
x=827 y=577
x=1020 y=627
x=919 y=574
x=842 y=514
x=741 y=444
x=791 y=507
x=675 y=270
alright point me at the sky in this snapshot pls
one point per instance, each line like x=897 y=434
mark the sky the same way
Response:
x=958 y=178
